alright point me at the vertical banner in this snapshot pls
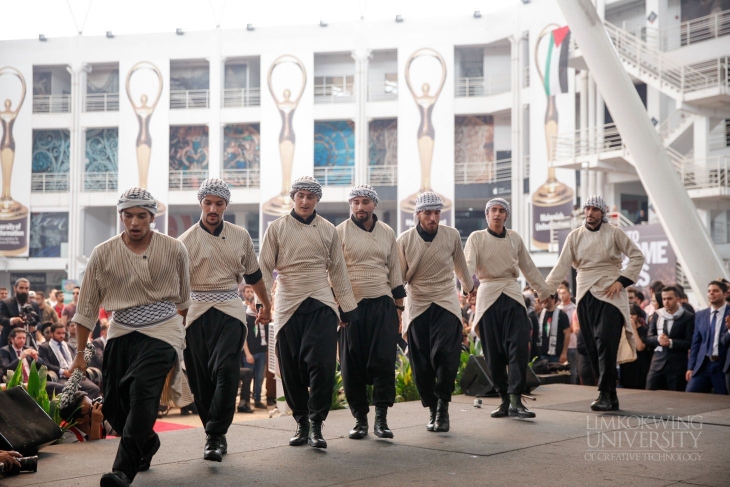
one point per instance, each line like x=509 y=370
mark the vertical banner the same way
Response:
x=287 y=144
x=552 y=111
x=144 y=136
x=15 y=155
x=425 y=131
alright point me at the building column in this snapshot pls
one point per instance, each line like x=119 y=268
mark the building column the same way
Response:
x=519 y=211
x=215 y=129
x=362 y=60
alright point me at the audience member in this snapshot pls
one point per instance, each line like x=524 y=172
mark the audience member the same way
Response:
x=726 y=343
x=70 y=309
x=257 y=345
x=535 y=332
x=60 y=297
x=87 y=419
x=633 y=374
x=708 y=351
x=52 y=298
x=655 y=289
x=99 y=344
x=555 y=332
x=568 y=307
x=47 y=314
x=17 y=351
x=246 y=376
x=71 y=335
x=14 y=312
x=683 y=299
x=3 y=292
x=670 y=335
x=58 y=357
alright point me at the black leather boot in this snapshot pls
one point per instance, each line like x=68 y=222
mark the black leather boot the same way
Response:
x=316 y=440
x=614 y=401
x=224 y=445
x=360 y=430
x=381 y=428
x=442 y=417
x=503 y=409
x=516 y=408
x=603 y=402
x=153 y=444
x=212 y=450
x=116 y=478
x=301 y=434
x=432 y=418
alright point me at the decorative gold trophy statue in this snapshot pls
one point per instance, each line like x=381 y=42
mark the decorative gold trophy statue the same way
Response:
x=553 y=200
x=13 y=215
x=281 y=204
x=426 y=135
x=144 y=112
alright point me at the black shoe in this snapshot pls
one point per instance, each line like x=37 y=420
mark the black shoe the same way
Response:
x=432 y=418
x=381 y=428
x=260 y=405
x=516 y=408
x=360 y=430
x=301 y=434
x=316 y=440
x=442 y=417
x=153 y=444
x=614 y=400
x=503 y=409
x=224 y=445
x=270 y=402
x=189 y=409
x=116 y=478
x=212 y=450
x=603 y=402
x=244 y=408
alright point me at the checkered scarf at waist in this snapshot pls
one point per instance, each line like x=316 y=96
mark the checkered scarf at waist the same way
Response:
x=214 y=296
x=145 y=315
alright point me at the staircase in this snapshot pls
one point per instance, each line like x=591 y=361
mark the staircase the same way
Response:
x=675 y=125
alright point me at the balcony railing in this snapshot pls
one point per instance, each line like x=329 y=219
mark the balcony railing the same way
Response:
x=384 y=91
x=491 y=85
x=49 y=182
x=102 y=102
x=713 y=172
x=242 y=178
x=684 y=34
x=241 y=97
x=483 y=172
x=335 y=93
x=383 y=175
x=100 y=181
x=51 y=103
x=187 y=180
x=185 y=99
x=334 y=176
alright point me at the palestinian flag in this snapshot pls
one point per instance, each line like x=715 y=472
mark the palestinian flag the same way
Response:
x=556 y=61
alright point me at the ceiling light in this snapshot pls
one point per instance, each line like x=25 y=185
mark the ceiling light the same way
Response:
x=477 y=14
x=249 y=26
x=179 y=31
x=399 y=18
x=109 y=34
x=42 y=38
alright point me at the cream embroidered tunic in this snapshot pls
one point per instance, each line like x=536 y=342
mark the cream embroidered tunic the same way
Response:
x=497 y=263
x=428 y=271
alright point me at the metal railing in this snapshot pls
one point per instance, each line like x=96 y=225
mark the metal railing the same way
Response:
x=187 y=180
x=683 y=34
x=242 y=178
x=100 y=181
x=185 y=99
x=676 y=120
x=335 y=176
x=491 y=85
x=51 y=103
x=241 y=97
x=383 y=175
x=335 y=93
x=49 y=182
x=483 y=172
x=101 y=102
x=586 y=142
x=384 y=91
x=719 y=137
x=713 y=173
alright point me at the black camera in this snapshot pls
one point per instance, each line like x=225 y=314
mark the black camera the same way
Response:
x=98 y=400
x=27 y=464
x=29 y=315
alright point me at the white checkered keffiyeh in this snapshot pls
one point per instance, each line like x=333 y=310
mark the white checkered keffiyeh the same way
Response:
x=306 y=183
x=498 y=202
x=428 y=201
x=146 y=315
x=72 y=384
x=137 y=197
x=596 y=201
x=364 y=190
x=213 y=296
x=214 y=187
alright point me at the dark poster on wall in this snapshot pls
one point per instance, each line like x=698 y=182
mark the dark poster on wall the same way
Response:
x=37 y=279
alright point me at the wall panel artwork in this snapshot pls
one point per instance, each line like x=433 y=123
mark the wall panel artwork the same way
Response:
x=334 y=149
x=49 y=234
x=102 y=147
x=189 y=148
x=383 y=152
x=474 y=149
x=51 y=151
x=242 y=146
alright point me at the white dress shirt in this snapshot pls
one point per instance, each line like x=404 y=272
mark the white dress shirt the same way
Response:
x=63 y=362
x=719 y=323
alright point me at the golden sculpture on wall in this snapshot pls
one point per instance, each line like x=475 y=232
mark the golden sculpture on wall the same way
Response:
x=426 y=133
x=282 y=204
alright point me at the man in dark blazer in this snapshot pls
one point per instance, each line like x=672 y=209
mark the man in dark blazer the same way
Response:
x=726 y=343
x=58 y=357
x=10 y=311
x=670 y=334
x=10 y=356
x=709 y=345
x=99 y=344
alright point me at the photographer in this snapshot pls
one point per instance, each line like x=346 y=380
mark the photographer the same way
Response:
x=19 y=311
x=87 y=419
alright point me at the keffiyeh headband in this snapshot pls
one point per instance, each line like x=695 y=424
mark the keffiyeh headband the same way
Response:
x=306 y=183
x=498 y=202
x=214 y=187
x=364 y=190
x=428 y=201
x=596 y=201
x=137 y=197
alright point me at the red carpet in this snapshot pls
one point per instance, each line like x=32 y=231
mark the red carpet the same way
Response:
x=163 y=426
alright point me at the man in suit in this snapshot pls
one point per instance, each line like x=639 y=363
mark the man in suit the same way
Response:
x=99 y=343
x=709 y=349
x=16 y=351
x=726 y=343
x=670 y=334
x=58 y=356
x=10 y=311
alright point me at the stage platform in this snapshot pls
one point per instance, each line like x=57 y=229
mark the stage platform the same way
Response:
x=659 y=438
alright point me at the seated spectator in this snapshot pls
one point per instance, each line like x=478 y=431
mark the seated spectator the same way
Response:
x=633 y=374
x=555 y=332
x=71 y=329
x=58 y=356
x=87 y=419
x=99 y=344
x=17 y=351
x=46 y=331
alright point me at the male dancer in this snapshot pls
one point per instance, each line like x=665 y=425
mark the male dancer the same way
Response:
x=143 y=277
x=221 y=254
x=368 y=346
x=497 y=255
x=596 y=252
x=305 y=251
x=429 y=255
